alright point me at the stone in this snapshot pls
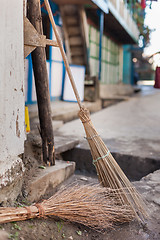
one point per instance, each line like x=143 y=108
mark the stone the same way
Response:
x=84 y=179
x=11 y=173
x=4 y=235
x=157 y=200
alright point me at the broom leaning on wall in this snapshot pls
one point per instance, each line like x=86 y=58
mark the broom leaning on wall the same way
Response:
x=109 y=173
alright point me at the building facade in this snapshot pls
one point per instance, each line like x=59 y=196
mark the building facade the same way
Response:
x=97 y=35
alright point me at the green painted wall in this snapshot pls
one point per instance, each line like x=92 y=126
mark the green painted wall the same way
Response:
x=94 y=50
x=110 y=57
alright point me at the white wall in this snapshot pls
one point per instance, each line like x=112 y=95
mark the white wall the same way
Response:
x=12 y=133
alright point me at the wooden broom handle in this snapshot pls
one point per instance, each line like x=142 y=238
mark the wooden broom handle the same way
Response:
x=59 y=41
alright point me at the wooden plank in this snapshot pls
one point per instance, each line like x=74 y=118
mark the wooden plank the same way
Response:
x=84 y=26
x=28 y=50
x=66 y=37
x=85 y=36
x=24 y=7
x=33 y=39
x=51 y=43
x=73 y=31
x=31 y=36
x=76 y=51
x=72 y=21
x=78 y=60
x=75 y=41
x=70 y=9
x=78 y=2
x=42 y=86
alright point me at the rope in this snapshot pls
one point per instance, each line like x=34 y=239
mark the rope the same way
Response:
x=95 y=160
x=90 y=138
x=86 y=121
x=59 y=41
x=29 y=212
x=40 y=210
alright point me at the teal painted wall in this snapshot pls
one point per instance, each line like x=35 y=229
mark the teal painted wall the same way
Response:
x=127 y=64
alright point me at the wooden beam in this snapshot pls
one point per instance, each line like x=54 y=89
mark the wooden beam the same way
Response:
x=78 y=2
x=85 y=34
x=33 y=39
x=66 y=37
x=42 y=86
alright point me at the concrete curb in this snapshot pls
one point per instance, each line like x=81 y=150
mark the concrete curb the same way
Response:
x=48 y=179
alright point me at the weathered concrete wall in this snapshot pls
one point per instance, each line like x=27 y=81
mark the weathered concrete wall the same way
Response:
x=115 y=90
x=12 y=133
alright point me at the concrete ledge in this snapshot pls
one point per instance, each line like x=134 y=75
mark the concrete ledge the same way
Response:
x=65 y=111
x=48 y=179
x=35 y=122
x=111 y=90
x=62 y=143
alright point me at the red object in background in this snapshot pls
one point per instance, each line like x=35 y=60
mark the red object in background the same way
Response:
x=157 y=78
x=143 y=4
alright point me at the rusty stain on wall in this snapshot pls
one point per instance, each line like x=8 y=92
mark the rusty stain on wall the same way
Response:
x=22 y=88
x=17 y=127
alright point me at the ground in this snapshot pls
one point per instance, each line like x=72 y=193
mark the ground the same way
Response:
x=57 y=229
x=139 y=138
x=49 y=229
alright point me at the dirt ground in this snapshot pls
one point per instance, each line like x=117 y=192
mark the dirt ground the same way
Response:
x=57 y=229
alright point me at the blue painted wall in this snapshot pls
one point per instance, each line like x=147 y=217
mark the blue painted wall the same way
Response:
x=57 y=18
x=101 y=26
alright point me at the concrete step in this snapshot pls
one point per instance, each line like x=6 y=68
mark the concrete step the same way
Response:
x=39 y=181
x=55 y=123
x=46 y=180
x=62 y=143
x=65 y=111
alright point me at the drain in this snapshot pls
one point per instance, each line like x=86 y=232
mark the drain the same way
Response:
x=134 y=167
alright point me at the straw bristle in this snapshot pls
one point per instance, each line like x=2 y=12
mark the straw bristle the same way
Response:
x=108 y=171
x=93 y=206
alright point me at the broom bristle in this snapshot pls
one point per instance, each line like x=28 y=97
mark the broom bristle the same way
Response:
x=93 y=206
x=108 y=171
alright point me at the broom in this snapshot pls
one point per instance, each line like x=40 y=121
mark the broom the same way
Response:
x=109 y=173
x=92 y=206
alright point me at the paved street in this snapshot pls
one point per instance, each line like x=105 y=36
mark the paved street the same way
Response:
x=130 y=127
x=131 y=131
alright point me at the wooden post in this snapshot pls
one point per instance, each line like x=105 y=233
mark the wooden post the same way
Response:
x=42 y=85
